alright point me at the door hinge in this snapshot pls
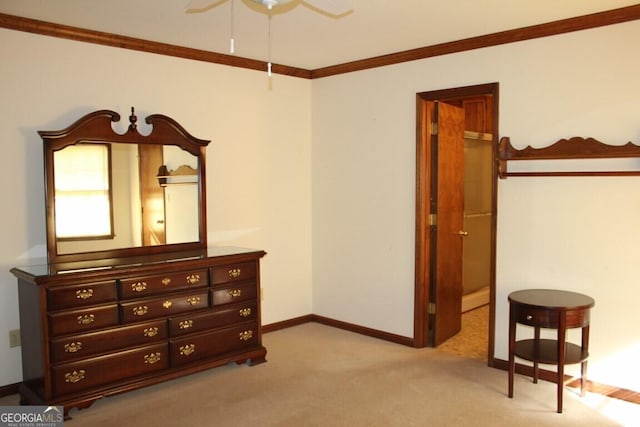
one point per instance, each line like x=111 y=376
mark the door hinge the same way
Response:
x=433 y=220
x=434 y=128
x=432 y=308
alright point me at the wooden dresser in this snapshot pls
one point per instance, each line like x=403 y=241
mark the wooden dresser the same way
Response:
x=95 y=328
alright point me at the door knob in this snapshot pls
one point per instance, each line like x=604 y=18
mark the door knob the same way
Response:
x=463 y=233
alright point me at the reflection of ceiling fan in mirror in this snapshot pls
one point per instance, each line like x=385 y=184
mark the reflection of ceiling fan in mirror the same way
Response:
x=331 y=8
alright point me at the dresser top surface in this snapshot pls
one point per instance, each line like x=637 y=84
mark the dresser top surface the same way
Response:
x=137 y=262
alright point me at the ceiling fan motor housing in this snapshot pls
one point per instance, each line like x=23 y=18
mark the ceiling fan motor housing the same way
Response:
x=270 y=3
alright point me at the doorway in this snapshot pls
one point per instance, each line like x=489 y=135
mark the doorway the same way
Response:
x=444 y=148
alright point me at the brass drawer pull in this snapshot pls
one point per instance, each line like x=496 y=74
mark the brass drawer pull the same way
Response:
x=73 y=347
x=141 y=310
x=235 y=293
x=246 y=335
x=167 y=304
x=166 y=281
x=186 y=350
x=84 y=293
x=139 y=286
x=192 y=279
x=74 y=377
x=234 y=273
x=152 y=358
x=193 y=300
x=245 y=312
x=529 y=317
x=86 y=319
x=150 y=332
x=185 y=324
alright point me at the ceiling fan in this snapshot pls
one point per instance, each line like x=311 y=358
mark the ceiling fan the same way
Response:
x=331 y=8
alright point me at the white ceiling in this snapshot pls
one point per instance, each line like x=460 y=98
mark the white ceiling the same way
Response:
x=301 y=37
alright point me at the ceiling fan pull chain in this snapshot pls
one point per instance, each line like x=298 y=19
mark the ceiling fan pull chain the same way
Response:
x=232 y=47
x=269 y=46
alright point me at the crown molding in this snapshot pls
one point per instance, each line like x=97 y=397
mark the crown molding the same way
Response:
x=115 y=40
x=600 y=19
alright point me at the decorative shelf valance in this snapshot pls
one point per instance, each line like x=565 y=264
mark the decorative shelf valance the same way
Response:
x=575 y=148
x=184 y=174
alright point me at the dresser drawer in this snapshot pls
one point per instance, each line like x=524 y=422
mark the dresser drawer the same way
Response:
x=90 y=318
x=125 y=365
x=208 y=345
x=83 y=345
x=235 y=293
x=81 y=295
x=140 y=287
x=233 y=273
x=216 y=318
x=139 y=310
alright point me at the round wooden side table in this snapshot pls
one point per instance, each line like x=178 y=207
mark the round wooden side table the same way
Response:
x=549 y=309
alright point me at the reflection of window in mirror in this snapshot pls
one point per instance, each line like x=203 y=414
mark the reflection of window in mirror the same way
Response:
x=83 y=192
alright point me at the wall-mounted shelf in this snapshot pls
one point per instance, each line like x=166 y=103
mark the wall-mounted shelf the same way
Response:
x=566 y=149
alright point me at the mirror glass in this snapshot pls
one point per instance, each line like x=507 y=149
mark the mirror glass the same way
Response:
x=123 y=195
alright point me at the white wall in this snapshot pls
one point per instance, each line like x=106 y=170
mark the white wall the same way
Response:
x=258 y=165
x=577 y=234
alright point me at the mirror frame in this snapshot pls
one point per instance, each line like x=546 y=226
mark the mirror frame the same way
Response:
x=97 y=127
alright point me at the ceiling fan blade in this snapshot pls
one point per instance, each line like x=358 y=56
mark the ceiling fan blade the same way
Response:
x=197 y=6
x=333 y=8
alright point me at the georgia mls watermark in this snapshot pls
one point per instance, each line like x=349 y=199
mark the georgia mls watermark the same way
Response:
x=31 y=416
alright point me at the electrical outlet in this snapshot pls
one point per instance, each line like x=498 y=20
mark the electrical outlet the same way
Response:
x=14 y=338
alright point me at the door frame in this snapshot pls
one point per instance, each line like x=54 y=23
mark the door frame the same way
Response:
x=423 y=193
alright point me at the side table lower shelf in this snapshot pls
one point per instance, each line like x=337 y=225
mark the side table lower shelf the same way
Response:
x=546 y=351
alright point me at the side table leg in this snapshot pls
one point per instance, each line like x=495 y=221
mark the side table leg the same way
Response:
x=562 y=348
x=583 y=365
x=536 y=339
x=512 y=349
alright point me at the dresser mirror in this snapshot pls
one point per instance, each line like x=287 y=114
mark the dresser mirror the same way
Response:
x=112 y=195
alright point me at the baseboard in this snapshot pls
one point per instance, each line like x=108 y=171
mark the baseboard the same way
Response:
x=374 y=333
x=271 y=327
x=9 y=389
x=475 y=299
x=569 y=381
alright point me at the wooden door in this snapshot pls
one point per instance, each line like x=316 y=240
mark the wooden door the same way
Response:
x=483 y=118
x=446 y=220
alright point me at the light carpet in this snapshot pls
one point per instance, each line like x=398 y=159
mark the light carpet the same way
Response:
x=317 y=375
